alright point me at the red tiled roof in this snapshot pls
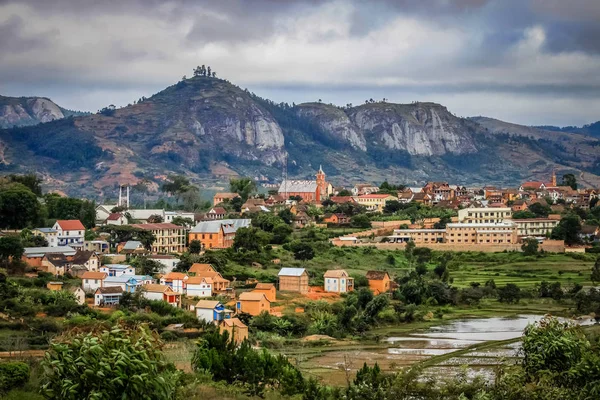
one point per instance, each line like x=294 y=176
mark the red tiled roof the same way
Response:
x=70 y=225
x=114 y=217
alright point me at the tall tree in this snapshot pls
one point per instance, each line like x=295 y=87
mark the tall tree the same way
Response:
x=595 y=277
x=569 y=180
x=568 y=229
x=19 y=207
x=242 y=186
x=11 y=250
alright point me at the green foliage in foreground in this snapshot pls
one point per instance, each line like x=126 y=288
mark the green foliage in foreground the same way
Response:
x=120 y=363
x=13 y=375
x=256 y=370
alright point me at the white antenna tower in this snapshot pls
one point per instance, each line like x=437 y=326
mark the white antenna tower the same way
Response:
x=285 y=177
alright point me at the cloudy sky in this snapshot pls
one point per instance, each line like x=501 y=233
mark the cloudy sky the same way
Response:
x=525 y=61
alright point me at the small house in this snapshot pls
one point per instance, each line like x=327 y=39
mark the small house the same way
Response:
x=132 y=247
x=197 y=268
x=253 y=303
x=293 y=280
x=336 y=219
x=268 y=289
x=238 y=331
x=211 y=311
x=379 y=281
x=90 y=280
x=78 y=293
x=108 y=296
x=129 y=283
x=175 y=280
x=54 y=286
x=117 y=269
x=161 y=292
x=198 y=286
x=86 y=258
x=338 y=281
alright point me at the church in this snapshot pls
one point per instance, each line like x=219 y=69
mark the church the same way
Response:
x=310 y=191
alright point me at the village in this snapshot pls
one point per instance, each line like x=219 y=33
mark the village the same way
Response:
x=487 y=219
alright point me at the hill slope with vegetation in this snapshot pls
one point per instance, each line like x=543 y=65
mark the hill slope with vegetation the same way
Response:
x=205 y=127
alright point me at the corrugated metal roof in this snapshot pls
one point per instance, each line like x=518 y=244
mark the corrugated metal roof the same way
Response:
x=298 y=186
x=291 y=272
x=132 y=245
x=231 y=225
x=40 y=251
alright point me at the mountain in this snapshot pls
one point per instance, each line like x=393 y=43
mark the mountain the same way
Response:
x=209 y=129
x=24 y=111
x=592 y=129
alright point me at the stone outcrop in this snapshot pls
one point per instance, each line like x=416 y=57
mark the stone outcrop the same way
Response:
x=23 y=111
x=421 y=129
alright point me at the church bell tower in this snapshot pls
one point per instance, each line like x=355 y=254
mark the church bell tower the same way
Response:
x=321 y=184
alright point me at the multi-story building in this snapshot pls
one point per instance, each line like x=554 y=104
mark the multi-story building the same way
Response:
x=50 y=234
x=475 y=226
x=69 y=233
x=374 y=202
x=484 y=215
x=481 y=232
x=535 y=226
x=217 y=234
x=169 y=238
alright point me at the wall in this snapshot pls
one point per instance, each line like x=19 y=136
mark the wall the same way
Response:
x=551 y=246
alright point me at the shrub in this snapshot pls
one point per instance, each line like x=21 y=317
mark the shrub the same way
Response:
x=119 y=363
x=13 y=375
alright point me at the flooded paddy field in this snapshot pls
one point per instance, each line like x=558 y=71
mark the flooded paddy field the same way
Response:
x=479 y=345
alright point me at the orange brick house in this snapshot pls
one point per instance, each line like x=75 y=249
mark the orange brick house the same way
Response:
x=336 y=219
x=268 y=289
x=217 y=234
x=221 y=197
x=379 y=281
x=219 y=283
x=253 y=303
x=238 y=331
x=199 y=268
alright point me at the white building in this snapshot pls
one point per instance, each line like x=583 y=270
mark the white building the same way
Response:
x=69 y=232
x=484 y=215
x=168 y=261
x=161 y=292
x=197 y=286
x=108 y=296
x=170 y=215
x=338 y=281
x=174 y=280
x=50 y=234
x=90 y=281
x=211 y=311
x=78 y=293
x=117 y=269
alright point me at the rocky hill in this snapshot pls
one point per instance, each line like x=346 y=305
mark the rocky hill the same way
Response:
x=24 y=111
x=208 y=129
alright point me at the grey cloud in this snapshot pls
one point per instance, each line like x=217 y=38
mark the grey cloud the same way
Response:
x=13 y=37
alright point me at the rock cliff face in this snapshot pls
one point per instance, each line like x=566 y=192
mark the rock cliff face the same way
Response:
x=335 y=122
x=22 y=111
x=421 y=129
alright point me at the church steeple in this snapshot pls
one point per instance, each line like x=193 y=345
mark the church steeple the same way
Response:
x=321 y=184
x=554 y=177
